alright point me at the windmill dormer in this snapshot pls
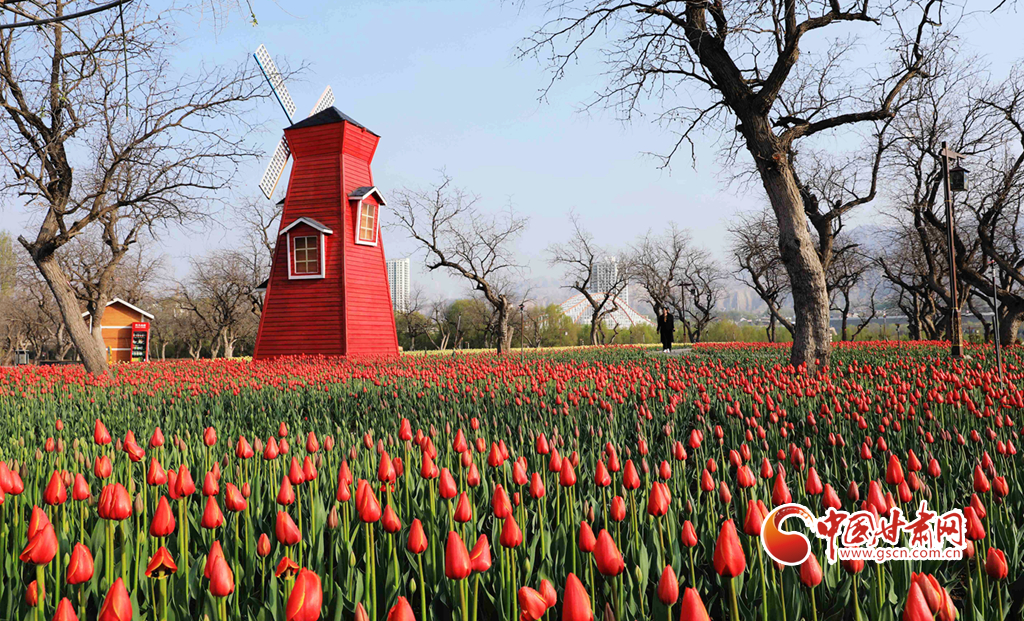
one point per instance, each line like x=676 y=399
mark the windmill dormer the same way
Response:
x=328 y=290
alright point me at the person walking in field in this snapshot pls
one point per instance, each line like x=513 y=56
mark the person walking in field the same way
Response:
x=666 y=328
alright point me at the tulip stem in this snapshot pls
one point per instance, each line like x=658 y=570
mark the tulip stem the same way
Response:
x=856 y=598
x=735 y=610
x=423 y=590
x=476 y=599
x=814 y=607
x=40 y=592
x=462 y=599
x=163 y=599
x=764 y=582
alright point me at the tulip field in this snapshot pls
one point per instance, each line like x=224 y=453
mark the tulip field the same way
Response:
x=599 y=483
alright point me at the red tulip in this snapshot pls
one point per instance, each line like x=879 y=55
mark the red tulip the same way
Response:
x=689 y=537
x=161 y=565
x=117 y=606
x=548 y=591
x=995 y=564
x=668 y=586
x=55 y=493
x=80 y=567
x=286 y=568
x=810 y=572
x=618 y=509
x=41 y=548
x=981 y=484
x=417 y=543
x=222 y=580
x=65 y=611
x=692 y=608
x=366 y=503
x=185 y=487
x=630 y=478
x=447 y=487
x=754 y=520
x=894 y=471
x=975 y=531
x=480 y=555
x=607 y=556
x=917 y=608
x=658 y=500
x=532 y=605
x=163 y=519
x=100 y=435
x=576 y=601
x=536 y=486
x=287 y=532
x=729 y=559
x=391 y=522
x=32 y=594
x=401 y=611
x=306 y=600
x=586 y=539
x=212 y=516
x=511 y=535
x=456 y=558
x=463 y=510
x=263 y=545
x=102 y=467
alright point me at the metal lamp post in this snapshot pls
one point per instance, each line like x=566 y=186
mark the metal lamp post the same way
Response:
x=995 y=320
x=953 y=180
x=522 y=329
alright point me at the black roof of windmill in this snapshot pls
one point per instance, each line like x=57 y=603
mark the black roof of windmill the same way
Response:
x=328 y=116
x=323 y=113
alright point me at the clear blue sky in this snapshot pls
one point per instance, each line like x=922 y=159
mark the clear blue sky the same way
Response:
x=439 y=81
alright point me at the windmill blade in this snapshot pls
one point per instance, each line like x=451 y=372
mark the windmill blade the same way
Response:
x=276 y=167
x=275 y=79
x=326 y=101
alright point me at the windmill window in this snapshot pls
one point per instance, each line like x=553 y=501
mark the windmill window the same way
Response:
x=366 y=229
x=307 y=255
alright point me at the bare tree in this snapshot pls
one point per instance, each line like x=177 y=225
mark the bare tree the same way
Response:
x=656 y=264
x=470 y=243
x=594 y=274
x=846 y=273
x=441 y=335
x=759 y=89
x=411 y=320
x=99 y=272
x=91 y=155
x=702 y=279
x=951 y=108
x=759 y=264
x=217 y=292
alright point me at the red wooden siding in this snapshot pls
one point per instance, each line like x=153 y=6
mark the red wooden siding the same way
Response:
x=349 y=311
x=369 y=314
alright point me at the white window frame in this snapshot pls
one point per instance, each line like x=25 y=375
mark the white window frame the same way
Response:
x=291 y=257
x=359 y=223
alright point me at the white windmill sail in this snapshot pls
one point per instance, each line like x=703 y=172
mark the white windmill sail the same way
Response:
x=275 y=79
x=278 y=162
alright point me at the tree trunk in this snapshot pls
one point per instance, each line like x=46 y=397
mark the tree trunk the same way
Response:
x=771 y=328
x=1009 y=325
x=812 y=340
x=593 y=328
x=93 y=356
x=503 y=331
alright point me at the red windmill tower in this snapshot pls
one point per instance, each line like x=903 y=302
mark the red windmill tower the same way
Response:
x=328 y=289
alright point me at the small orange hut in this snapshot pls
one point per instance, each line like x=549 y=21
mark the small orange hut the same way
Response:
x=125 y=331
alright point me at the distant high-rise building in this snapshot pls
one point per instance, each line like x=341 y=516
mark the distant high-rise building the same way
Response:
x=398 y=279
x=606 y=277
